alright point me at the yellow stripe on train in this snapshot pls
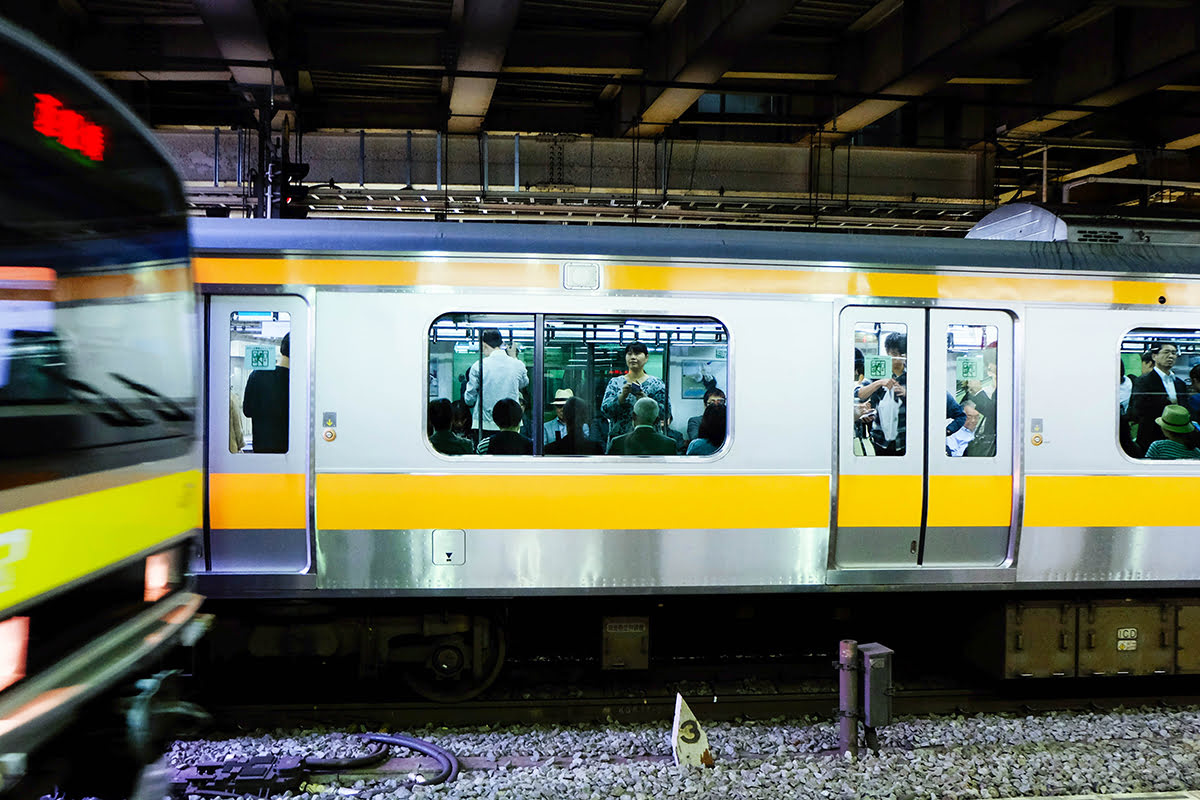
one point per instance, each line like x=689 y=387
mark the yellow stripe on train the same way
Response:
x=613 y=502
x=800 y=279
x=54 y=544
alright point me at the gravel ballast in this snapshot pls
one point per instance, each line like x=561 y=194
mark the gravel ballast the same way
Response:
x=989 y=755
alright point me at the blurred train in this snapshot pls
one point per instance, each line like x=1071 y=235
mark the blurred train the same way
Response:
x=1058 y=550
x=100 y=461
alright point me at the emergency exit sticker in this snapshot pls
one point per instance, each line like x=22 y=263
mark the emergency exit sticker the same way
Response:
x=878 y=367
x=970 y=368
x=260 y=357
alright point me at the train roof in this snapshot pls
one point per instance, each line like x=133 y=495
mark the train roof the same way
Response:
x=364 y=237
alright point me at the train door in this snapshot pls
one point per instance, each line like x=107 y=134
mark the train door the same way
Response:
x=925 y=405
x=258 y=446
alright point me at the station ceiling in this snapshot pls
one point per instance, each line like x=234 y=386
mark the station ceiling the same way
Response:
x=1058 y=90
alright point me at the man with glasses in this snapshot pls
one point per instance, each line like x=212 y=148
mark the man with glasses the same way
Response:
x=1154 y=391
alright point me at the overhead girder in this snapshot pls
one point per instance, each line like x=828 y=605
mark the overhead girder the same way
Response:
x=1104 y=62
x=927 y=44
x=1078 y=75
x=239 y=36
x=699 y=45
x=487 y=26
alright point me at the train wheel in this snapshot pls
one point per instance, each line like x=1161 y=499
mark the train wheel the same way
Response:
x=462 y=666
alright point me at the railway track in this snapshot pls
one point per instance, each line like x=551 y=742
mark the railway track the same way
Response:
x=629 y=709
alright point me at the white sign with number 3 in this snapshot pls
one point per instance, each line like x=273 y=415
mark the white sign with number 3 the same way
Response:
x=689 y=743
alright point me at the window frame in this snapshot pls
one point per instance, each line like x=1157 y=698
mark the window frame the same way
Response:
x=1152 y=333
x=540 y=404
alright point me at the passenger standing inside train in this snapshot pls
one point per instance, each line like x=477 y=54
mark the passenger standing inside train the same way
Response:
x=957 y=442
x=441 y=417
x=887 y=397
x=1147 y=361
x=1124 y=395
x=506 y=440
x=625 y=390
x=1153 y=392
x=236 y=439
x=504 y=376
x=266 y=404
x=1194 y=397
x=643 y=440
x=888 y=433
x=1179 y=435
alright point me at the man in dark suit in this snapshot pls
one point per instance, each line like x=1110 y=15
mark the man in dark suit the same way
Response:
x=643 y=440
x=266 y=403
x=1154 y=391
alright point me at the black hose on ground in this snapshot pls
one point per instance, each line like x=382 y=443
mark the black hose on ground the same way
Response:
x=337 y=764
x=445 y=758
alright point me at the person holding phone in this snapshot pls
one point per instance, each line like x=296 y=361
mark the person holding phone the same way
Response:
x=625 y=390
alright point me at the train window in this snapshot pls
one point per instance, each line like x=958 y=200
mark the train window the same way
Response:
x=1158 y=396
x=880 y=388
x=597 y=368
x=259 y=376
x=479 y=398
x=971 y=352
x=594 y=370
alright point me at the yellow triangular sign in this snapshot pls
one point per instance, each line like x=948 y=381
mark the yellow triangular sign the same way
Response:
x=689 y=743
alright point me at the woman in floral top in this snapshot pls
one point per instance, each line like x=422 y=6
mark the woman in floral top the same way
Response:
x=625 y=390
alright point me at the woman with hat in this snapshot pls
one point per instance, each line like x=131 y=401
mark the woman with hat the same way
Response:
x=1176 y=424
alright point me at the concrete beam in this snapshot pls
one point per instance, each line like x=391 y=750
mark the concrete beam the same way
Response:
x=1106 y=63
x=700 y=44
x=239 y=36
x=930 y=42
x=486 y=28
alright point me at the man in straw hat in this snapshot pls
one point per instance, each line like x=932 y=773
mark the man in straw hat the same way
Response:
x=1176 y=424
x=556 y=428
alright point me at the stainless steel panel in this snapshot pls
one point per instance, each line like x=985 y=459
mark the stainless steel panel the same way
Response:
x=961 y=547
x=227 y=584
x=877 y=547
x=976 y=578
x=253 y=551
x=1109 y=555
x=971 y=541
x=578 y=560
x=362 y=334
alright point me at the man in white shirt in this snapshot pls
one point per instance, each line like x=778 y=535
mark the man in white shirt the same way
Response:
x=504 y=377
x=1154 y=391
x=956 y=443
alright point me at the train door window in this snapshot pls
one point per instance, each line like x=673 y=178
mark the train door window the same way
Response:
x=880 y=389
x=1158 y=394
x=479 y=384
x=595 y=369
x=259 y=374
x=972 y=371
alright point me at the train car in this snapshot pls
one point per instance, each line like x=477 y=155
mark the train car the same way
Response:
x=100 y=461
x=951 y=420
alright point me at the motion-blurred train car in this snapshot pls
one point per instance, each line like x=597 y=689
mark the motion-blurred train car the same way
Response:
x=942 y=418
x=100 y=479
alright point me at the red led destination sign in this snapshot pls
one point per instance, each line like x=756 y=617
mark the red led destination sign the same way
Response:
x=69 y=128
